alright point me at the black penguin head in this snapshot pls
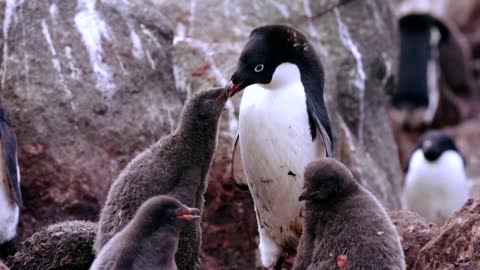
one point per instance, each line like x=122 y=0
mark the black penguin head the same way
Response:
x=327 y=179
x=434 y=143
x=164 y=211
x=267 y=47
x=204 y=109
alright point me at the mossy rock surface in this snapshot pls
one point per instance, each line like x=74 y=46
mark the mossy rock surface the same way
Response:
x=65 y=245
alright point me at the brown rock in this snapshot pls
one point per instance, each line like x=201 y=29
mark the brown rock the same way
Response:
x=66 y=245
x=457 y=245
x=414 y=233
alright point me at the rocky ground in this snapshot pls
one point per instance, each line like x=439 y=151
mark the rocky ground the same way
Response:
x=90 y=84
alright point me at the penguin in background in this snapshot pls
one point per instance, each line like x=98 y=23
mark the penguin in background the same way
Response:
x=10 y=194
x=433 y=73
x=283 y=126
x=436 y=184
x=150 y=239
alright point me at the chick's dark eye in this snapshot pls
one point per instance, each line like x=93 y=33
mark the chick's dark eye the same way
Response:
x=206 y=108
x=258 y=68
x=208 y=104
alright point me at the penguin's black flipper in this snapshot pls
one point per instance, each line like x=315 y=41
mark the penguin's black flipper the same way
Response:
x=279 y=264
x=319 y=122
x=237 y=173
x=9 y=155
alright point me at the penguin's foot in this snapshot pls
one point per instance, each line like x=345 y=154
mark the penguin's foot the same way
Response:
x=269 y=251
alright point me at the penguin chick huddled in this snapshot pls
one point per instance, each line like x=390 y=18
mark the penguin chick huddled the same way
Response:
x=176 y=165
x=345 y=227
x=436 y=183
x=150 y=239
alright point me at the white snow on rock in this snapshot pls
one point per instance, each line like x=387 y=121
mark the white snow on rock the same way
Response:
x=93 y=29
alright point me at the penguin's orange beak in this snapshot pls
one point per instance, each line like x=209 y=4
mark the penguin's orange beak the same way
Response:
x=188 y=213
x=233 y=88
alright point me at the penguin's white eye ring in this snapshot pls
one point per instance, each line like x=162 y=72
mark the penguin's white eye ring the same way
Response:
x=258 y=68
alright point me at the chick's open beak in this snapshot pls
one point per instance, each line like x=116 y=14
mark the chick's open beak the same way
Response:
x=188 y=213
x=233 y=88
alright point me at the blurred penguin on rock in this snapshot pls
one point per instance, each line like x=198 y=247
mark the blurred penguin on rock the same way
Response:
x=436 y=183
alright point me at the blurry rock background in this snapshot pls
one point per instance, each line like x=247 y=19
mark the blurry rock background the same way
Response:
x=90 y=84
x=457 y=244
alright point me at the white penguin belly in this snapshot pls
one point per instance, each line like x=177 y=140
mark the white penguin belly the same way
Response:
x=9 y=212
x=276 y=146
x=436 y=190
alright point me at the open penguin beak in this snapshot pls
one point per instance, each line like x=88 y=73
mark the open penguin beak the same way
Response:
x=188 y=213
x=233 y=88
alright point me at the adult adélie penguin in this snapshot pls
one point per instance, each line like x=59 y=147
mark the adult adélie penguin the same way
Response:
x=283 y=126
x=10 y=194
x=436 y=183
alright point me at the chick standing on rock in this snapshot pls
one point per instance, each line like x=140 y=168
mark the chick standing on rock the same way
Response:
x=436 y=183
x=283 y=126
x=150 y=239
x=345 y=227
x=176 y=165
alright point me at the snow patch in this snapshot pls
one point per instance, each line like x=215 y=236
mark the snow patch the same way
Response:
x=255 y=6
x=226 y=8
x=360 y=77
x=281 y=7
x=75 y=72
x=53 y=10
x=10 y=6
x=137 y=49
x=150 y=59
x=55 y=59
x=348 y=136
x=191 y=19
x=376 y=15
x=308 y=13
x=180 y=31
x=93 y=29
x=150 y=35
x=48 y=38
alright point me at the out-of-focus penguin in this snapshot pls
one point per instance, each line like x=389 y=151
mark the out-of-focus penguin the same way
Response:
x=436 y=183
